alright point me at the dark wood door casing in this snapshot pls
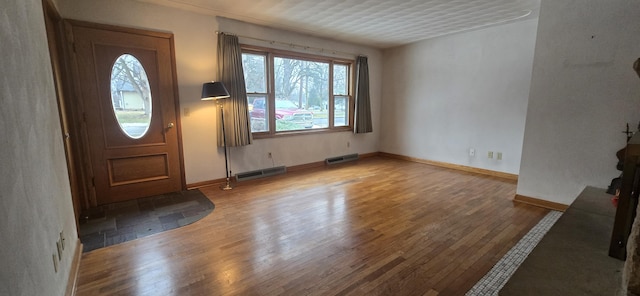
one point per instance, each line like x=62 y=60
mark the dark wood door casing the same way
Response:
x=70 y=135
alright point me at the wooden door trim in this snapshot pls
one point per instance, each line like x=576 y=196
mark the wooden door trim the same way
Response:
x=77 y=98
x=54 y=26
x=178 y=127
x=115 y=28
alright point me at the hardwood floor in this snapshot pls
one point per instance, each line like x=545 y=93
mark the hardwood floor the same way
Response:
x=380 y=226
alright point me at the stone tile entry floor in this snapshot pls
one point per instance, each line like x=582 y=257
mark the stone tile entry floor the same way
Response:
x=124 y=221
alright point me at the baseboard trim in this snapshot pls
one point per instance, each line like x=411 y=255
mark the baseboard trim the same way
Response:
x=452 y=166
x=540 y=203
x=75 y=268
x=294 y=168
x=205 y=183
x=367 y=155
x=213 y=182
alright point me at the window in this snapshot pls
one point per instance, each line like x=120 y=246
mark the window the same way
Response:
x=296 y=93
x=255 y=79
x=341 y=112
x=131 y=96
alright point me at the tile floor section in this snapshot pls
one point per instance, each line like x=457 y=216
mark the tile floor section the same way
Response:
x=498 y=276
x=124 y=221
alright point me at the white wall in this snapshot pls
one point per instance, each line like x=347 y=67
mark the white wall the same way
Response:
x=35 y=200
x=583 y=91
x=195 y=42
x=446 y=95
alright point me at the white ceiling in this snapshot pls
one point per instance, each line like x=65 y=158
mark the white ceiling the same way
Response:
x=378 y=23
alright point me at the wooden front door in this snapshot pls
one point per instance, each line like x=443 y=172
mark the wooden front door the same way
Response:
x=127 y=88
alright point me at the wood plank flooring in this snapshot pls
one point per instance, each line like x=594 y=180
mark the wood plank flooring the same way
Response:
x=379 y=226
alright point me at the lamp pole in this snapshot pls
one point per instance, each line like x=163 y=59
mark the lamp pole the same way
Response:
x=224 y=141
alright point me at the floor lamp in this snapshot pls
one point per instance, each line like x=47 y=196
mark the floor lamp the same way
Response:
x=216 y=91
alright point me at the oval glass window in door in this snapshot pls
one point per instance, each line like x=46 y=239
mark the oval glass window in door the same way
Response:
x=131 y=96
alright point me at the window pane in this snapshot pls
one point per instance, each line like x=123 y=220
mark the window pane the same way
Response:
x=131 y=96
x=255 y=74
x=302 y=91
x=341 y=111
x=259 y=112
x=340 y=79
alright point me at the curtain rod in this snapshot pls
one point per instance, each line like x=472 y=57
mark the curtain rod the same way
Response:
x=293 y=45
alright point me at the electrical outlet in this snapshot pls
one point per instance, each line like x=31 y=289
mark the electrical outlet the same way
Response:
x=490 y=154
x=472 y=152
x=269 y=155
x=499 y=157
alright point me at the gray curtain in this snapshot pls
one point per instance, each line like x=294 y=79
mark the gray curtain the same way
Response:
x=363 y=102
x=237 y=122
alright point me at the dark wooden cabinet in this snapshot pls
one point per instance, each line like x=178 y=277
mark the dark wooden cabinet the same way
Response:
x=628 y=200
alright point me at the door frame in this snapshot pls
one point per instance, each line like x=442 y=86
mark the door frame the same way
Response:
x=60 y=72
x=76 y=112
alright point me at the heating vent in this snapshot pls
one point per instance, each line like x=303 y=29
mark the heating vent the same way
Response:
x=261 y=173
x=341 y=159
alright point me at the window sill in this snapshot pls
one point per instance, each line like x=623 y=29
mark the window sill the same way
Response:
x=266 y=135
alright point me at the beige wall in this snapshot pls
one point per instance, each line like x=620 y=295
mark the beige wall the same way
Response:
x=35 y=200
x=447 y=95
x=195 y=42
x=583 y=92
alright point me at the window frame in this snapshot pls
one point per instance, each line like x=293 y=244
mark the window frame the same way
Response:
x=270 y=54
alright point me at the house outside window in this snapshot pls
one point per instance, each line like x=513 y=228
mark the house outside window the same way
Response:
x=293 y=93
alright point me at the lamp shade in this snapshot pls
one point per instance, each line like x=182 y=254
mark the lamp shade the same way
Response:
x=214 y=91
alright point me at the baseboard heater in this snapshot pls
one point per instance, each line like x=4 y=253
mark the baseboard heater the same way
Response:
x=341 y=159
x=261 y=173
